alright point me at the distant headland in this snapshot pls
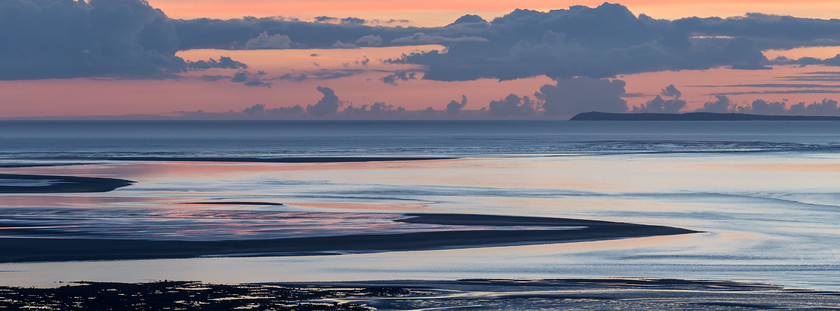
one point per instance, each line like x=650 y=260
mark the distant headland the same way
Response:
x=693 y=116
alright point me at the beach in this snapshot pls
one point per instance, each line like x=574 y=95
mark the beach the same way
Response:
x=535 y=205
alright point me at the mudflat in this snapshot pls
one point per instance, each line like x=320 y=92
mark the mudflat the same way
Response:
x=478 y=294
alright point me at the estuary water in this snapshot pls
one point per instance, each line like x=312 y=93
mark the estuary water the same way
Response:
x=765 y=196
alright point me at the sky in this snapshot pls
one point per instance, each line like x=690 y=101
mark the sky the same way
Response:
x=441 y=12
x=399 y=59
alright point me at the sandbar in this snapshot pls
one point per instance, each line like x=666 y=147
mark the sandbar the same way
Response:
x=274 y=159
x=67 y=249
x=15 y=183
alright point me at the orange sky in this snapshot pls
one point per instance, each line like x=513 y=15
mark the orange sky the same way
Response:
x=439 y=12
x=86 y=97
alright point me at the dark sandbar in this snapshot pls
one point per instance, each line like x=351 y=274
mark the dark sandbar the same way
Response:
x=56 y=249
x=235 y=203
x=502 y=220
x=275 y=159
x=63 y=184
x=22 y=165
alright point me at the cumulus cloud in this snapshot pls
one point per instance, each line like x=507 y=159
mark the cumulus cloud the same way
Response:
x=291 y=110
x=322 y=74
x=660 y=105
x=422 y=38
x=266 y=41
x=298 y=77
x=327 y=74
x=759 y=106
x=454 y=107
x=402 y=21
x=325 y=19
x=254 y=110
x=805 y=61
x=375 y=109
x=722 y=104
x=234 y=33
x=512 y=105
x=250 y=79
x=369 y=40
x=671 y=91
x=826 y=107
x=401 y=75
x=343 y=45
x=65 y=39
x=766 y=31
x=362 y=61
x=352 y=20
x=573 y=96
x=468 y=19
x=214 y=78
x=673 y=103
x=223 y=62
x=328 y=104
x=259 y=109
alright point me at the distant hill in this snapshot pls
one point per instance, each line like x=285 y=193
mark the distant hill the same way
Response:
x=693 y=116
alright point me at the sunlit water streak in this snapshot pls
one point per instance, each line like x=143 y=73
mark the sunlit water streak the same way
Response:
x=764 y=194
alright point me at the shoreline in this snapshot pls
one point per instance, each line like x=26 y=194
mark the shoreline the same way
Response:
x=519 y=294
x=33 y=249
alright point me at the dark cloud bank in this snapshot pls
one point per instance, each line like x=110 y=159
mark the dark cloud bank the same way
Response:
x=66 y=38
x=44 y=39
x=578 y=42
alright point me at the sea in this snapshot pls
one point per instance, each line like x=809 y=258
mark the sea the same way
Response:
x=764 y=196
